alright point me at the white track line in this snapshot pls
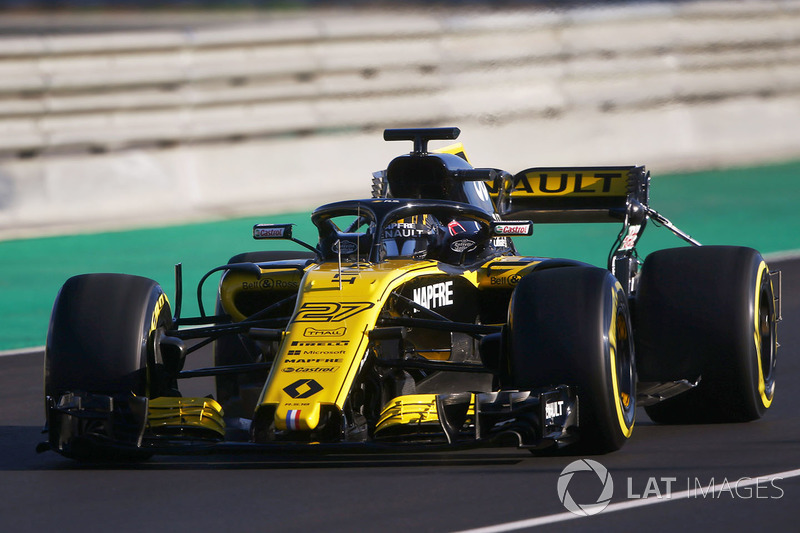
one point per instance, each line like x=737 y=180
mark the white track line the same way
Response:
x=630 y=504
x=786 y=255
x=22 y=351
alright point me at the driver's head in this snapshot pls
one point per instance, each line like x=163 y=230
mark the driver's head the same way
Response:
x=409 y=238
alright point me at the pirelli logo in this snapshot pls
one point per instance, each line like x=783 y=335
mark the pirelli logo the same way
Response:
x=325 y=344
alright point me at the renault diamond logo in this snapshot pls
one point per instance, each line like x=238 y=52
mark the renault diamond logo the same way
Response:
x=303 y=388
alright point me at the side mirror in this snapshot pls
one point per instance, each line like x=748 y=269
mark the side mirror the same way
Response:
x=279 y=232
x=272 y=231
x=512 y=228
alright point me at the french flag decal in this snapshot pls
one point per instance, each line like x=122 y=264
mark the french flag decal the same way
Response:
x=293 y=419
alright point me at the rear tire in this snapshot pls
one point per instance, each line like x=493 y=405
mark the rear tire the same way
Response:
x=708 y=312
x=237 y=349
x=572 y=326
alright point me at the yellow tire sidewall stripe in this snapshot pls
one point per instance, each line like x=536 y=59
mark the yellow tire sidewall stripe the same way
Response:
x=612 y=346
x=762 y=385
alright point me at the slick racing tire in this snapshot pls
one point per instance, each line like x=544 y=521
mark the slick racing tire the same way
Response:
x=101 y=335
x=102 y=339
x=237 y=349
x=709 y=313
x=572 y=326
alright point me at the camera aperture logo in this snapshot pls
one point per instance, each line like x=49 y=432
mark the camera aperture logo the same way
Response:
x=604 y=478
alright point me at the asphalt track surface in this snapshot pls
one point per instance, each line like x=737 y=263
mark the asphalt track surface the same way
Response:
x=422 y=492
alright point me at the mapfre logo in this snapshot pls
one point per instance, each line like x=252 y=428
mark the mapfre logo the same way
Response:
x=433 y=296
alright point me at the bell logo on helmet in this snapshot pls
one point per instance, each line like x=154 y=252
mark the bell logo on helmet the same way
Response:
x=462 y=245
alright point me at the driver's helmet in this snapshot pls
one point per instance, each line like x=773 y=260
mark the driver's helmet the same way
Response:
x=410 y=238
x=463 y=240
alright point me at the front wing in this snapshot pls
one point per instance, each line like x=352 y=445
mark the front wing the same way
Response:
x=136 y=426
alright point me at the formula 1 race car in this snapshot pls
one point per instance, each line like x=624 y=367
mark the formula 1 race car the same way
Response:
x=413 y=324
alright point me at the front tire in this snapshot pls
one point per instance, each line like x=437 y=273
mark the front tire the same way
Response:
x=101 y=335
x=572 y=326
x=101 y=341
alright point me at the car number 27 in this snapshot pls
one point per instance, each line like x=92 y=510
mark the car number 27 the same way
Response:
x=330 y=311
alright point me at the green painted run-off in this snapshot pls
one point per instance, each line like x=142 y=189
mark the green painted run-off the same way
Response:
x=756 y=207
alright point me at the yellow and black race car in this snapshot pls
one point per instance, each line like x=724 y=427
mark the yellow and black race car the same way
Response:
x=413 y=324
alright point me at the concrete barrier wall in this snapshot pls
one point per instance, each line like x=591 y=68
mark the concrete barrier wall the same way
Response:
x=125 y=127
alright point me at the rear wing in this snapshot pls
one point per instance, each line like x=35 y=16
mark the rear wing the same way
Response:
x=581 y=194
x=572 y=194
x=585 y=194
